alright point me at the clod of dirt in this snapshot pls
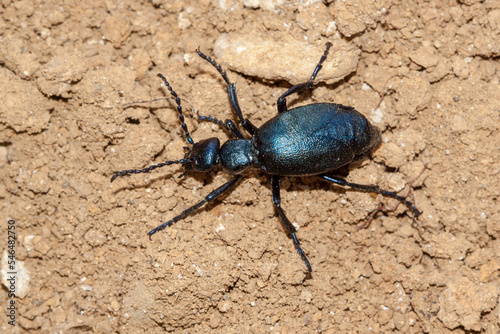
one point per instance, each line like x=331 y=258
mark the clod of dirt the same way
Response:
x=264 y=4
x=354 y=16
x=23 y=108
x=18 y=57
x=57 y=76
x=257 y=57
x=463 y=301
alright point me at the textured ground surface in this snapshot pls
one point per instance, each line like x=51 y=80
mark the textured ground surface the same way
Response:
x=425 y=72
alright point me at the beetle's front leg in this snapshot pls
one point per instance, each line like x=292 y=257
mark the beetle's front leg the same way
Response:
x=275 y=185
x=209 y=198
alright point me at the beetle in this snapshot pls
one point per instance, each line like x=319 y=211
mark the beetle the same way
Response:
x=309 y=140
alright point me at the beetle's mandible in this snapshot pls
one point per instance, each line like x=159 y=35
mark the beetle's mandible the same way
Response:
x=308 y=140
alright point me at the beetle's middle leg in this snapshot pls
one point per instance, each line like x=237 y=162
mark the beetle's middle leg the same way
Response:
x=275 y=185
x=303 y=86
x=231 y=90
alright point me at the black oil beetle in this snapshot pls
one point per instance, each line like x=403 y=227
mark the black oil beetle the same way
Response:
x=308 y=140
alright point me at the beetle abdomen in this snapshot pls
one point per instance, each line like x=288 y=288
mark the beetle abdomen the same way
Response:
x=314 y=139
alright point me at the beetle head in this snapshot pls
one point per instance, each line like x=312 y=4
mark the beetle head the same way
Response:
x=204 y=155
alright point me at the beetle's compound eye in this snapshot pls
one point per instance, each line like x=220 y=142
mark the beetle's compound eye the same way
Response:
x=205 y=154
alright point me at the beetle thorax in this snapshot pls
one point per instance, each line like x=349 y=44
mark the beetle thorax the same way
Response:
x=237 y=155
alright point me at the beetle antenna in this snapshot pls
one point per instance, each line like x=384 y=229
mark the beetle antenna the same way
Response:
x=179 y=109
x=214 y=64
x=148 y=169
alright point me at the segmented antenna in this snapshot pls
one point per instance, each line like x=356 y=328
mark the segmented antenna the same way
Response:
x=179 y=109
x=214 y=64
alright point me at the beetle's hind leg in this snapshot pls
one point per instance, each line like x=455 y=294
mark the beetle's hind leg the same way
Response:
x=372 y=189
x=275 y=185
x=303 y=86
x=231 y=90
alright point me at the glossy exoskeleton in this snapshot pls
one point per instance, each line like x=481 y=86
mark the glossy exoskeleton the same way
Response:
x=308 y=140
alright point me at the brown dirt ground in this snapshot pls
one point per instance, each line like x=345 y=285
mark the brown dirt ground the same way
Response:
x=427 y=75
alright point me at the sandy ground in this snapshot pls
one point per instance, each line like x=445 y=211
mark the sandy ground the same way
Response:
x=425 y=72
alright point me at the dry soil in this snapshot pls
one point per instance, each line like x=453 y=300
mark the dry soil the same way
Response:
x=425 y=72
